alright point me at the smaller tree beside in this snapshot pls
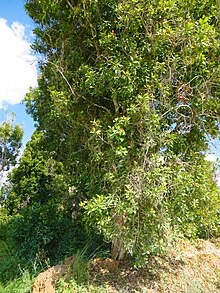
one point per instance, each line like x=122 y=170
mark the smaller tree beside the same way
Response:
x=10 y=144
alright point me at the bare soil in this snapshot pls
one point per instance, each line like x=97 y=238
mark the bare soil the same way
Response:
x=187 y=268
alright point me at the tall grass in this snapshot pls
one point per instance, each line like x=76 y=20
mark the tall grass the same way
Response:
x=22 y=284
x=79 y=281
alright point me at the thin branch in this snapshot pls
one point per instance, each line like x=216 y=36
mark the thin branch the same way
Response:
x=64 y=77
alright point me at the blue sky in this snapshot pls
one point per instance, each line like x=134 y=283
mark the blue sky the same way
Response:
x=17 y=63
x=13 y=10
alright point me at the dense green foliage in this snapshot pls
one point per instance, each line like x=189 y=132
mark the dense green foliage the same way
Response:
x=43 y=222
x=10 y=143
x=127 y=100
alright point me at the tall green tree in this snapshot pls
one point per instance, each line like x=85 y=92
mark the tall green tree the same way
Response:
x=43 y=221
x=35 y=177
x=128 y=98
x=10 y=144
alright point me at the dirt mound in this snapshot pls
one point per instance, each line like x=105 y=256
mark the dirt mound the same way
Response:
x=46 y=281
x=198 y=270
x=186 y=268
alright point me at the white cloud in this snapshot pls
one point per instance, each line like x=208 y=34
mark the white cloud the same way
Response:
x=17 y=65
x=211 y=157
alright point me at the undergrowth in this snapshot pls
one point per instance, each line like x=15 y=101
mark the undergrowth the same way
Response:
x=22 y=284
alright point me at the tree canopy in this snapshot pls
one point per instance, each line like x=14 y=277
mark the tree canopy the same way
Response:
x=127 y=100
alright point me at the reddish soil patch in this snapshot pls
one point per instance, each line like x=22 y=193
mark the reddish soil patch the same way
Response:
x=186 y=268
x=46 y=281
